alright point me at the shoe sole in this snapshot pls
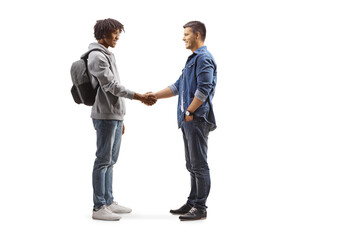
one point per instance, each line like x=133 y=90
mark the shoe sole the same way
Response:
x=195 y=219
x=122 y=212
x=99 y=219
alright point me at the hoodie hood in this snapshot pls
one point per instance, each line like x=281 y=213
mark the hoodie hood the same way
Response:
x=96 y=45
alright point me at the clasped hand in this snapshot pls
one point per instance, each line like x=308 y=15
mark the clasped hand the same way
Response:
x=148 y=98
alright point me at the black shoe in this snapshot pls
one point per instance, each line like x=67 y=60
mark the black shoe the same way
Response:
x=194 y=214
x=184 y=209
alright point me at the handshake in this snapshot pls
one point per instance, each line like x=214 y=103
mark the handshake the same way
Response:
x=148 y=98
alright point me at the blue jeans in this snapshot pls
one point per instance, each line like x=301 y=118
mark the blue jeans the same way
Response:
x=195 y=134
x=108 y=142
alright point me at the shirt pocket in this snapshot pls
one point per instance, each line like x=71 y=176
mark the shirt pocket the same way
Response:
x=189 y=70
x=190 y=66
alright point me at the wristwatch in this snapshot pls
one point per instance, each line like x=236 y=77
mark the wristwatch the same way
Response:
x=188 y=113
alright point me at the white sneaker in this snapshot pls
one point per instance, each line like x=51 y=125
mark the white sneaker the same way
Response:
x=105 y=214
x=116 y=208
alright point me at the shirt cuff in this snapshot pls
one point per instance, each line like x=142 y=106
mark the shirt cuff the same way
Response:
x=200 y=96
x=130 y=95
x=174 y=89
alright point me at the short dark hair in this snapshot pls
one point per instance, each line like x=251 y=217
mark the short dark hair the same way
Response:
x=197 y=26
x=104 y=28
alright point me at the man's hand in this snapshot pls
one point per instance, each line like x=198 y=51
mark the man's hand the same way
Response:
x=148 y=98
x=189 y=118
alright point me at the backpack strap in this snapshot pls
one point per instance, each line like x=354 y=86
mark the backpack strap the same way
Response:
x=85 y=58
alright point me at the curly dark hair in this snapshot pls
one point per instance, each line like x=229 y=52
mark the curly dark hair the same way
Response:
x=104 y=28
x=197 y=26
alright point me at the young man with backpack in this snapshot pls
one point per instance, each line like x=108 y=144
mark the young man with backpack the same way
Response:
x=108 y=113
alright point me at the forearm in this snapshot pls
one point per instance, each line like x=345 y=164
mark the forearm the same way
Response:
x=195 y=104
x=165 y=93
x=117 y=90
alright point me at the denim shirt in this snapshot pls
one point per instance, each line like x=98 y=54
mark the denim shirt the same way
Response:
x=198 y=79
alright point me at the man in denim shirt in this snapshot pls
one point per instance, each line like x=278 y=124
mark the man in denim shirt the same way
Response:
x=195 y=115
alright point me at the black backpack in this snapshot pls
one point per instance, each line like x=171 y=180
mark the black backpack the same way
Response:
x=83 y=90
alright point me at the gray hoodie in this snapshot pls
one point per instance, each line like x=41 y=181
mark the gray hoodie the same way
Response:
x=109 y=102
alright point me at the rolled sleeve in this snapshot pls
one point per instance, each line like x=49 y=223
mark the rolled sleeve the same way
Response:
x=174 y=89
x=200 y=95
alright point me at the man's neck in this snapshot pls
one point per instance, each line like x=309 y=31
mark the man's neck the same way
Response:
x=199 y=45
x=102 y=42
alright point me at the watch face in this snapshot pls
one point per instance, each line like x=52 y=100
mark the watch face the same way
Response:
x=187 y=113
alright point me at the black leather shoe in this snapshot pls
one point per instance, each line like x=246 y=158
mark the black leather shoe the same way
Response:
x=184 y=209
x=194 y=214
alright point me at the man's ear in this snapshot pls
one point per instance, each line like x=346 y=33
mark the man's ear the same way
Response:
x=198 y=36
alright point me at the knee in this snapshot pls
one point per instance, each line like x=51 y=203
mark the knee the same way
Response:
x=101 y=163
x=200 y=169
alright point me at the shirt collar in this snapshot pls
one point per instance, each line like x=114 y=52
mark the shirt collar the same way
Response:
x=197 y=51
x=201 y=49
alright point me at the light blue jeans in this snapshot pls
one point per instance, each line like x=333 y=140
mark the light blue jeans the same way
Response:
x=108 y=142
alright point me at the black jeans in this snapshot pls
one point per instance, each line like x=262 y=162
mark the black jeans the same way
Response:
x=195 y=134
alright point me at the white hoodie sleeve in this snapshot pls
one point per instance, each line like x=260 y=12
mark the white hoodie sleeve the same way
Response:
x=99 y=67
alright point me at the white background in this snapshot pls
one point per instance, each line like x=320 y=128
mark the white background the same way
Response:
x=285 y=157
